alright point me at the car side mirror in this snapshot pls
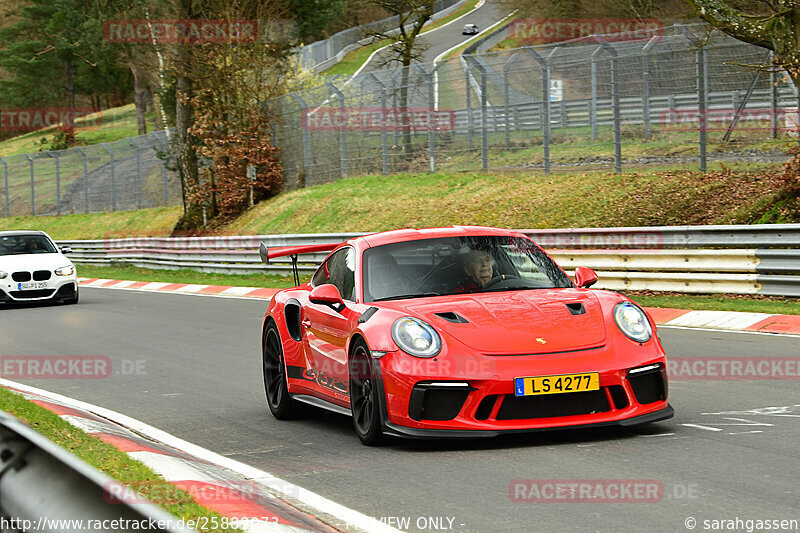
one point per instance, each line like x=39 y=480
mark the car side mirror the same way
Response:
x=66 y=250
x=326 y=294
x=585 y=277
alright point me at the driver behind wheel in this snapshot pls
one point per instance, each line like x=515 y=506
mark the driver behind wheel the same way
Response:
x=479 y=267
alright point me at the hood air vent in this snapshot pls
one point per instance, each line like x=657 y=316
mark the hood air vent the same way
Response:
x=576 y=308
x=452 y=317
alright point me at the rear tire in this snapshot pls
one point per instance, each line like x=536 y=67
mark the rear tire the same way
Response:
x=365 y=404
x=276 y=385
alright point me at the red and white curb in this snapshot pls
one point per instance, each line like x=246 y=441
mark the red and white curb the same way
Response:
x=255 y=500
x=724 y=320
x=181 y=288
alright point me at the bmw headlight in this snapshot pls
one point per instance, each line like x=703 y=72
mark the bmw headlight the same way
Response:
x=632 y=322
x=416 y=337
x=65 y=271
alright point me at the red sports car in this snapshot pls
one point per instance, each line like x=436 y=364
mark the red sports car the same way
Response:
x=458 y=332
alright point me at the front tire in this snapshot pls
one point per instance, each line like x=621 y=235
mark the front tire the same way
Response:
x=364 y=400
x=276 y=385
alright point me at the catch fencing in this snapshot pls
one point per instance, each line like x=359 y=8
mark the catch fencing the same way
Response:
x=691 y=95
x=116 y=176
x=740 y=259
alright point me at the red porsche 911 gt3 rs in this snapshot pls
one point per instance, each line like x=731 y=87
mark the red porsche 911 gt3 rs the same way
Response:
x=458 y=332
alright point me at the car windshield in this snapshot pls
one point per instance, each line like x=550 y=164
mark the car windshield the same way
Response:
x=455 y=265
x=26 y=244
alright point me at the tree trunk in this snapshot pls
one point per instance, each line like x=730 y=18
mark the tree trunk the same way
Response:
x=186 y=153
x=69 y=127
x=139 y=99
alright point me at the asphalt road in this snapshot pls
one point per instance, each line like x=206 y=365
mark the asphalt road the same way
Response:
x=191 y=366
x=433 y=43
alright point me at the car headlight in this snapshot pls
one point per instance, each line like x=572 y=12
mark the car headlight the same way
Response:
x=416 y=337
x=65 y=271
x=3 y=275
x=632 y=322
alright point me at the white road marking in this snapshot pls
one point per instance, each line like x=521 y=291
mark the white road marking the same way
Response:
x=746 y=432
x=698 y=426
x=172 y=468
x=659 y=435
x=718 y=319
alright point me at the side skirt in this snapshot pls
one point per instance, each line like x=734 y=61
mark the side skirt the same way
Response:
x=322 y=404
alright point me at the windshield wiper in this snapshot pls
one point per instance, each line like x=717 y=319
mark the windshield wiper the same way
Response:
x=516 y=288
x=407 y=296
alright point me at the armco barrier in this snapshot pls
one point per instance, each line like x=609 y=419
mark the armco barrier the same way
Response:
x=43 y=487
x=743 y=259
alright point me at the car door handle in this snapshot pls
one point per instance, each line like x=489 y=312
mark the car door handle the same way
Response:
x=306 y=323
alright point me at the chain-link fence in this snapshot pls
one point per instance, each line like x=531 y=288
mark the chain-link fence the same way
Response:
x=115 y=176
x=688 y=96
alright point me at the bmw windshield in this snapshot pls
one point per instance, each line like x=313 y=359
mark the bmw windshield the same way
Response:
x=455 y=265
x=26 y=244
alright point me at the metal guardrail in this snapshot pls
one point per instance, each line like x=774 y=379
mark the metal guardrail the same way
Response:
x=45 y=488
x=743 y=259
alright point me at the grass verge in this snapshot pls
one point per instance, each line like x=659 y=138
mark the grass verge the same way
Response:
x=105 y=458
x=155 y=222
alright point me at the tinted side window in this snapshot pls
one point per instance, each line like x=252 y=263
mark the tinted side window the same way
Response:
x=338 y=270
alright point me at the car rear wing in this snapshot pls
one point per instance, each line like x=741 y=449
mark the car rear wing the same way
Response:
x=292 y=251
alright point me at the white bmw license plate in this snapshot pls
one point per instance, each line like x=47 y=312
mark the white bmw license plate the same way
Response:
x=31 y=285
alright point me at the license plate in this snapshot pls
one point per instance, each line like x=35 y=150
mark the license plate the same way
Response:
x=32 y=285
x=532 y=386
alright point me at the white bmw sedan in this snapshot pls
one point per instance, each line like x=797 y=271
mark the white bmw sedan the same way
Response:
x=33 y=268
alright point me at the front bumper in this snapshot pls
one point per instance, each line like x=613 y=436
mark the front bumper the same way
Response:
x=417 y=433
x=53 y=289
x=476 y=398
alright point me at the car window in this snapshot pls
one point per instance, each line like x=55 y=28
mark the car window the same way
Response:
x=339 y=270
x=453 y=265
x=26 y=244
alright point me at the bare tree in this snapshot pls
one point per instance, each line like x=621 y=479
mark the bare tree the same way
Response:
x=771 y=24
x=403 y=46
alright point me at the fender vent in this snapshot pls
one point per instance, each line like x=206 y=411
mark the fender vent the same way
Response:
x=576 y=308
x=450 y=316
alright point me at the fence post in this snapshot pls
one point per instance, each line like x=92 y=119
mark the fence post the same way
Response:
x=702 y=121
x=431 y=129
x=342 y=134
x=646 y=85
x=484 y=120
x=138 y=172
x=506 y=66
x=5 y=177
x=306 y=139
x=773 y=93
x=33 y=196
x=593 y=105
x=615 y=106
x=544 y=63
x=113 y=181
x=85 y=178
x=384 y=140
x=468 y=90
x=51 y=154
